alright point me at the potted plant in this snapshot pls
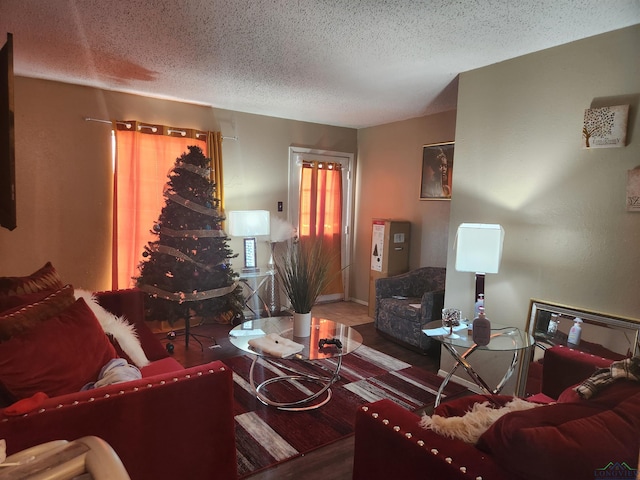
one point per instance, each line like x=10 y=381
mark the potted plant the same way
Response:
x=280 y=231
x=303 y=270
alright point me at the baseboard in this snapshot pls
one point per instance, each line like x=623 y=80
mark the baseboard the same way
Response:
x=461 y=381
x=359 y=302
x=338 y=297
x=331 y=298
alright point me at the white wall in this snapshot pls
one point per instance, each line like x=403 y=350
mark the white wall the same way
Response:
x=388 y=186
x=519 y=162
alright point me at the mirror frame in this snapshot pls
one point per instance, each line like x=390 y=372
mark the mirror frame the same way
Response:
x=590 y=317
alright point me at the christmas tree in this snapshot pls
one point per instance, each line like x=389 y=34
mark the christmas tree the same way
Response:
x=186 y=271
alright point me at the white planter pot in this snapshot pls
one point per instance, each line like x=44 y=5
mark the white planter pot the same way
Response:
x=301 y=324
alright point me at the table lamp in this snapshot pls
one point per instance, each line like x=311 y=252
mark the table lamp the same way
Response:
x=249 y=224
x=479 y=250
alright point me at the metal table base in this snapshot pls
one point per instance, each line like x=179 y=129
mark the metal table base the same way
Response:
x=461 y=360
x=298 y=405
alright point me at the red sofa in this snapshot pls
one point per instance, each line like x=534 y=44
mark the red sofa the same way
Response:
x=172 y=423
x=568 y=438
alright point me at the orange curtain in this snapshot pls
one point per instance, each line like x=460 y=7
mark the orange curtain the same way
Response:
x=143 y=161
x=321 y=212
x=214 y=152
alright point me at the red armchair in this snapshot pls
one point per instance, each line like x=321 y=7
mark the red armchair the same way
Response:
x=570 y=438
x=172 y=423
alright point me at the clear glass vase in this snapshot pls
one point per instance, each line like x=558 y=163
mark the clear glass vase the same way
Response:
x=272 y=289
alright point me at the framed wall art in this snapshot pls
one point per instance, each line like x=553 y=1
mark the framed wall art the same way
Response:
x=437 y=171
x=605 y=127
x=633 y=190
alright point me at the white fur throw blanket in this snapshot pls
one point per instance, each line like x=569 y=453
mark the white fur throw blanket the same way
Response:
x=475 y=422
x=117 y=327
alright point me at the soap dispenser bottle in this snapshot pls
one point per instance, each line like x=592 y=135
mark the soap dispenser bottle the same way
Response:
x=575 y=332
x=481 y=329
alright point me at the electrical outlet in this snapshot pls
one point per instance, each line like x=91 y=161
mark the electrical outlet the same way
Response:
x=280 y=206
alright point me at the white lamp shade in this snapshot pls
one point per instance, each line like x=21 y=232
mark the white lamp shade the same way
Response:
x=479 y=247
x=248 y=223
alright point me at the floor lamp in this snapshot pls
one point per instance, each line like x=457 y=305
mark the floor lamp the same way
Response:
x=249 y=224
x=479 y=250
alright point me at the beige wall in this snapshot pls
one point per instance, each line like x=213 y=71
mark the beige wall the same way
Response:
x=63 y=170
x=388 y=186
x=519 y=162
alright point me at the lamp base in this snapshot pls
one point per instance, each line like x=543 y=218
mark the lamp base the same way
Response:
x=250 y=256
x=479 y=285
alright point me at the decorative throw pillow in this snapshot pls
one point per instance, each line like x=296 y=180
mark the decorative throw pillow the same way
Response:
x=59 y=356
x=576 y=440
x=123 y=332
x=46 y=278
x=13 y=302
x=30 y=310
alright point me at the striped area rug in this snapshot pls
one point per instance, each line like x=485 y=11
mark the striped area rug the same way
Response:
x=266 y=436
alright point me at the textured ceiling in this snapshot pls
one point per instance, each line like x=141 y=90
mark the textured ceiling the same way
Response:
x=338 y=62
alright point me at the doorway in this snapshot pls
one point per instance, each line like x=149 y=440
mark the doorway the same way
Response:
x=298 y=156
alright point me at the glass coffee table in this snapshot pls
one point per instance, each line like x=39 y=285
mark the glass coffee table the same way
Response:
x=313 y=349
x=503 y=338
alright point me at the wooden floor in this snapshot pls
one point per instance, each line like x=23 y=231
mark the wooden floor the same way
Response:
x=335 y=461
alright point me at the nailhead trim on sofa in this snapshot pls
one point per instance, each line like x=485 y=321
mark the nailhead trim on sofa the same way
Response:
x=108 y=395
x=419 y=442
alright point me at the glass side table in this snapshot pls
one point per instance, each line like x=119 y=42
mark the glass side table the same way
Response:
x=503 y=338
x=253 y=285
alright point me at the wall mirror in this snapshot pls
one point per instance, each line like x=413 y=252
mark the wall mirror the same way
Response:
x=602 y=334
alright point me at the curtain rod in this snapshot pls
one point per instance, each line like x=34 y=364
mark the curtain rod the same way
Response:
x=128 y=125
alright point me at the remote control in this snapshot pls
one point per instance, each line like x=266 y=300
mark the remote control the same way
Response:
x=329 y=341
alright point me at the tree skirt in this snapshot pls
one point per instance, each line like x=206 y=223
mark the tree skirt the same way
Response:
x=266 y=436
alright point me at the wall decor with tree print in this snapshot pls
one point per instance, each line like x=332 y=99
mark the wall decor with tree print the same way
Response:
x=633 y=190
x=605 y=127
